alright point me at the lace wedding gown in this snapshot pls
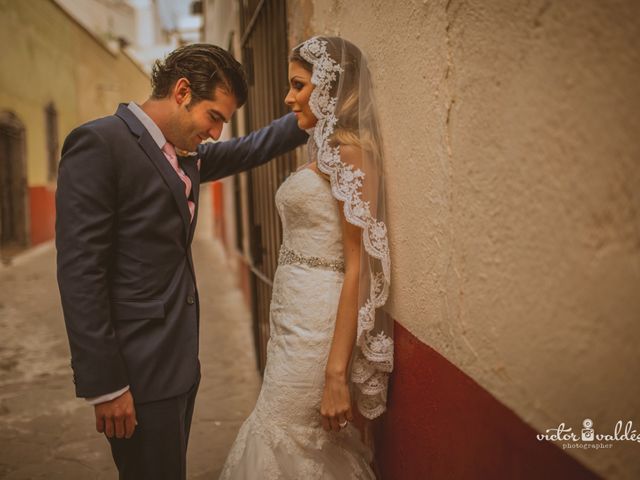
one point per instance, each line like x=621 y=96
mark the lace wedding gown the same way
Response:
x=283 y=437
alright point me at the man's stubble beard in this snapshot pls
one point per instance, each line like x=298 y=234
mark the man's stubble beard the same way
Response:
x=181 y=133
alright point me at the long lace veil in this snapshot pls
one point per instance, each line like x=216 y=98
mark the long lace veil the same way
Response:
x=343 y=103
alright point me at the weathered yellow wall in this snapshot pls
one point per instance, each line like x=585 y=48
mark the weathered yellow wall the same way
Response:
x=46 y=56
x=513 y=184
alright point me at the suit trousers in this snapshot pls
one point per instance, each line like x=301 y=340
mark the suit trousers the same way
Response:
x=157 y=450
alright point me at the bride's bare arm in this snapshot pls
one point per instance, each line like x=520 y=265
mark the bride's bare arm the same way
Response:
x=336 y=401
x=346 y=318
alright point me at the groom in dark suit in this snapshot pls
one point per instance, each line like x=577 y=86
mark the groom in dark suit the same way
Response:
x=127 y=205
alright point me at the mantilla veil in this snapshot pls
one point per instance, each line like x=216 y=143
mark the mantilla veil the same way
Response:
x=343 y=103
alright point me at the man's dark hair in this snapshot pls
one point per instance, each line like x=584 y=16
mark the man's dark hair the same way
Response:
x=206 y=67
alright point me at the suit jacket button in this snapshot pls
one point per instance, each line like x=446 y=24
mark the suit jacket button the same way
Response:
x=191 y=300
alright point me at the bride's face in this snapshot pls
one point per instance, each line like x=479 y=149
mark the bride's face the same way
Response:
x=300 y=88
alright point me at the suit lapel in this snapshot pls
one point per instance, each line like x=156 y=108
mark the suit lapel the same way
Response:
x=188 y=164
x=169 y=175
x=150 y=148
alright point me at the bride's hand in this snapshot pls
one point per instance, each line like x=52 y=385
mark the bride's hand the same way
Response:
x=336 y=403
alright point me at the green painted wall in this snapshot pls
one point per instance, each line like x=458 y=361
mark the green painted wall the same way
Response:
x=47 y=57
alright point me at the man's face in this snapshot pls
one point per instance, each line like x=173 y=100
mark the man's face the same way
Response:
x=192 y=124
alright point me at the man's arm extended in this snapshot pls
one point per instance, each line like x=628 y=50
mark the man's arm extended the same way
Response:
x=233 y=156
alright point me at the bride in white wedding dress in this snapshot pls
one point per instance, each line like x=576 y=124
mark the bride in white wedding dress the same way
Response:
x=330 y=342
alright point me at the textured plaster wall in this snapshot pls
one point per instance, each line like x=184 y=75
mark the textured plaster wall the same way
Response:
x=46 y=56
x=222 y=28
x=513 y=185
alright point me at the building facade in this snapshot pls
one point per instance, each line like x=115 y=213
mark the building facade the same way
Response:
x=56 y=75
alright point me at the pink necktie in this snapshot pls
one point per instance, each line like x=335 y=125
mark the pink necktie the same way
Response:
x=170 y=153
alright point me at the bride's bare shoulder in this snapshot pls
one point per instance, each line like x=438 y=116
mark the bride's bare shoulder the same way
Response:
x=351 y=154
x=314 y=166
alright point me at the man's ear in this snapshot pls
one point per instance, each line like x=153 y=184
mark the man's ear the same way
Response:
x=182 y=91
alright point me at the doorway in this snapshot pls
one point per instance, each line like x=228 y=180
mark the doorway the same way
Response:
x=13 y=186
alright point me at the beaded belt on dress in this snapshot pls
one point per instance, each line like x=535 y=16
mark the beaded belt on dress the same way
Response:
x=289 y=257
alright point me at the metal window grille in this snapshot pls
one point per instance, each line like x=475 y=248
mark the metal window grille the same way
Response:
x=264 y=54
x=51 y=124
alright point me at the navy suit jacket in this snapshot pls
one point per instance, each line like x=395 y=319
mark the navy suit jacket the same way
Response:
x=123 y=240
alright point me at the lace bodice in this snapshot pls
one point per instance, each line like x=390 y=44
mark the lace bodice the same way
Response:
x=310 y=216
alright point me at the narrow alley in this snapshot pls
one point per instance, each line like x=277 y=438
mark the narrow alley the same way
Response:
x=47 y=433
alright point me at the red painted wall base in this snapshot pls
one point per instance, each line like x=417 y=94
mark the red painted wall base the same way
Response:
x=440 y=424
x=217 y=196
x=42 y=208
